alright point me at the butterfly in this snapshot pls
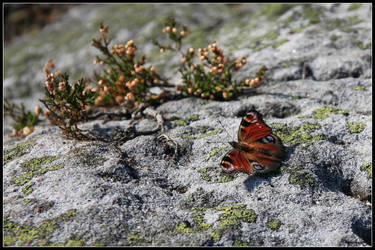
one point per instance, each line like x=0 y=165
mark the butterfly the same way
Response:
x=257 y=149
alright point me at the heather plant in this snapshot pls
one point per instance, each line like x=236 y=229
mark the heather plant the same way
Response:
x=66 y=104
x=124 y=78
x=24 y=121
x=208 y=73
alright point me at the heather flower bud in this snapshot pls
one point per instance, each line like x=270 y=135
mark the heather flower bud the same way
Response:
x=26 y=131
x=225 y=95
x=37 y=110
x=129 y=97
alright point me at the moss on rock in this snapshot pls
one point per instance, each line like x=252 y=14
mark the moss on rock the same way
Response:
x=233 y=215
x=214 y=175
x=274 y=224
x=297 y=134
x=27 y=234
x=16 y=151
x=199 y=220
x=356 y=127
x=135 y=240
x=184 y=228
x=33 y=168
x=367 y=167
x=324 y=112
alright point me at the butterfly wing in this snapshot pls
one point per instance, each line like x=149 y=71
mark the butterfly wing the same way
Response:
x=252 y=127
x=236 y=160
x=257 y=149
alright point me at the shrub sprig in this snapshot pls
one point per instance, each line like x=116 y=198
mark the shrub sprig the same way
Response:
x=66 y=104
x=24 y=121
x=124 y=78
x=208 y=73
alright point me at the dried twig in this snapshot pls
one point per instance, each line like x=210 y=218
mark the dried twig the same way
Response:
x=169 y=139
x=159 y=118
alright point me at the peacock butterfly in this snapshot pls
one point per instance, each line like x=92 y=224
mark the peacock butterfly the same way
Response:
x=257 y=149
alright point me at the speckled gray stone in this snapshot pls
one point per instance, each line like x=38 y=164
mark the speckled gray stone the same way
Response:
x=140 y=193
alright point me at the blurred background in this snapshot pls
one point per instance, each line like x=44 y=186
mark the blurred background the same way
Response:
x=30 y=18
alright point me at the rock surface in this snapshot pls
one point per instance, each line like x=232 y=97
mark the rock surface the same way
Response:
x=318 y=99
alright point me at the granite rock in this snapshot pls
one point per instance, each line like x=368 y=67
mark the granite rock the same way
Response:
x=149 y=192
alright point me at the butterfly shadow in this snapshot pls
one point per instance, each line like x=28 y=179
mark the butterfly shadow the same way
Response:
x=257 y=179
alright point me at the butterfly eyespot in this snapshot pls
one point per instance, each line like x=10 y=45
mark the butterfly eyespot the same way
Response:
x=257 y=166
x=227 y=164
x=268 y=139
x=228 y=168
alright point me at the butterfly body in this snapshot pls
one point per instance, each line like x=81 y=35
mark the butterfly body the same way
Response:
x=257 y=149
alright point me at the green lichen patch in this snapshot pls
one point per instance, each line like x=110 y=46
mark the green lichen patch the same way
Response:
x=204 y=128
x=279 y=43
x=190 y=137
x=34 y=167
x=25 y=235
x=367 y=167
x=74 y=243
x=214 y=175
x=216 y=235
x=297 y=134
x=334 y=37
x=354 y=6
x=98 y=244
x=239 y=243
x=192 y=117
x=204 y=173
x=285 y=169
x=312 y=14
x=199 y=221
x=274 y=224
x=180 y=122
x=135 y=240
x=16 y=151
x=352 y=20
x=214 y=152
x=361 y=88
x=260 y=42
x=196 y=195
x=320 y=137
x=288 y=21
x=233 y=215
x=193 y=137
x=289 y=63
x=272 y=35
x=36 y=163
x=187 y=120
x=298 y=30
x=183 y=227
x=273 y=11
x=26 y=189
x=258 y=46
x=298 y=176
x=324 y=112
x=301 y=178
x=356 y=127
x=211 y=133
x=361 y=45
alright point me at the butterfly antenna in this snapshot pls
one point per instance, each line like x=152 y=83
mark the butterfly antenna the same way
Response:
x=225 y=129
